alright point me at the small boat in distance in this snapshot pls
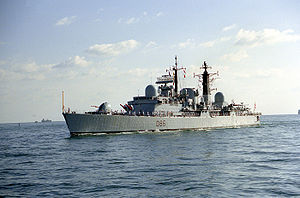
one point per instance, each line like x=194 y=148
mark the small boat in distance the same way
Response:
x=43 y=120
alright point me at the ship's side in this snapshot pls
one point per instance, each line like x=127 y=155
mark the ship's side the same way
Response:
x=102 y=123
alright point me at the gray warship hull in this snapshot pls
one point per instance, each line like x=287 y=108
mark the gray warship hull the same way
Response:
x=102 y=123
x=166 y=108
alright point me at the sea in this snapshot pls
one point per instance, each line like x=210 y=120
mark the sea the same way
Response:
x=43 y=160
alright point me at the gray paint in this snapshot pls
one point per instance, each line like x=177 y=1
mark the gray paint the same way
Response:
x=169 y=110
x=97 y=123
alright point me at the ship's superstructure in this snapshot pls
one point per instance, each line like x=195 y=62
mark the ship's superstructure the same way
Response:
x=166 y=108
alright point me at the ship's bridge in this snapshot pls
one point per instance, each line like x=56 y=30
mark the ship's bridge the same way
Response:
x=153 y=102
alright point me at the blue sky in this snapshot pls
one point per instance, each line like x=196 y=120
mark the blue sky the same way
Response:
x=100 y=51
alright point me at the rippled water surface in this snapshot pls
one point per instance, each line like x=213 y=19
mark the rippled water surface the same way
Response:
x=43 y=160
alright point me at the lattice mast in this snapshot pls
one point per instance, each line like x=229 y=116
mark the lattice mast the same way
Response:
x=206 y=79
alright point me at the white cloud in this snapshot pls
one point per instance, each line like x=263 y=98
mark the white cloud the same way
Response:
x=208 y=43
x=14 y=71
x=246 y=39
x=65 y=21
x=30 y=67
x=159 y=14
x=214 y=42
x=6 y=75
x=236 y=56
x=37 y=76
x=120 y=20
x=100 y=10
x=224 y=39
x=191 y=43
x=151 y=44
x=81 y=61
x=138 y=72
x=73 y=61
x=253 y=38
x=230 y=27
x=187 y=43
x=274 y=73
x=144 y=17
x=150 y=47
x=113 y=49
x=132 y=20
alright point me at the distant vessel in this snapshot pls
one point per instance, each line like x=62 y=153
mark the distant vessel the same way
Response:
x=43 y=120
x=299 y=112
x=165 y=109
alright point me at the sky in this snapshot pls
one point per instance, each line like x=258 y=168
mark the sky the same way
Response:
x=98 y=51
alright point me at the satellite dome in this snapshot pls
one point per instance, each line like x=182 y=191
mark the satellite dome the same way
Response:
x=219 y=97
x=150 y=91
x=189 y=92
x=104 y=108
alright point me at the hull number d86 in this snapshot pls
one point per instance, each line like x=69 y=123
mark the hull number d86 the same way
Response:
x=161 y=123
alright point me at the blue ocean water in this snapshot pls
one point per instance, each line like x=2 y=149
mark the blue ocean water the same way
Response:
x=41 y=159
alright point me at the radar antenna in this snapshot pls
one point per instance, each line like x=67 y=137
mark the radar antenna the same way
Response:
x=206 y=80
x=176 y=69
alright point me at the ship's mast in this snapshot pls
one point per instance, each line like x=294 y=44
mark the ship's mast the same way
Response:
x=63 y=101
x=206 y=79
x=205 y=85
x=205 y=82
x=176 y=78
x=176 y=69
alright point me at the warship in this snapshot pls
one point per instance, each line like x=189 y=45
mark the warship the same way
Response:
x=165 y=108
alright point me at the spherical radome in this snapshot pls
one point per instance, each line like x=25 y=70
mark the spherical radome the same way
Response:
x=219 y=97
x=150 y=91
x=105 y=108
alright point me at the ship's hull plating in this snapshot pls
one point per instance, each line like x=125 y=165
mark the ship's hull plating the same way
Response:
x=101 y=123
